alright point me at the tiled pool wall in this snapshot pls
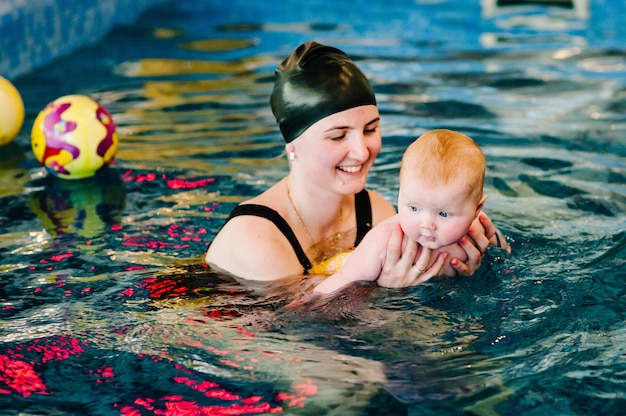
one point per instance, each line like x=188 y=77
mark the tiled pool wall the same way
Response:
x=34 y=32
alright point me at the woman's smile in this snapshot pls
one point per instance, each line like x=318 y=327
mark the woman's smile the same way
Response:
x=350 y=169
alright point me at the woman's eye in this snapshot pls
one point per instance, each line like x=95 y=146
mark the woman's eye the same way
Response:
x=370 y=131
x=337 y=138
x=443 y=214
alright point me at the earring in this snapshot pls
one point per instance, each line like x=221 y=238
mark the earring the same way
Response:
x=292 y=156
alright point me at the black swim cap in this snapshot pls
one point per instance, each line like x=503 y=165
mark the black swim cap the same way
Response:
x=314 y=82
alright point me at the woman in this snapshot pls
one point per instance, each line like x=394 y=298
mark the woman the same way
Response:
x=327 y=114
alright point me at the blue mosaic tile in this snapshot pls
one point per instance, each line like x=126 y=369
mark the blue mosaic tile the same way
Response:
x=33 y=32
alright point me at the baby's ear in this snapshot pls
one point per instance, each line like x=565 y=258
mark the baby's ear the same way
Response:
x=480 y=205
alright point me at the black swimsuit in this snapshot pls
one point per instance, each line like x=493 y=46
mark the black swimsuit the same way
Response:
x=362 y=207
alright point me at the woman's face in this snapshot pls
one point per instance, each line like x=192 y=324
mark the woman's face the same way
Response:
x=338 y=151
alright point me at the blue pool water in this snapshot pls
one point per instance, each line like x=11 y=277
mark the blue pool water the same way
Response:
x=106 y=306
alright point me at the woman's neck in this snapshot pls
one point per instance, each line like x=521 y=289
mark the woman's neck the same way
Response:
x=322 y=215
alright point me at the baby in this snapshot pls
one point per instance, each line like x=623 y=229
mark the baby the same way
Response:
x=441 y=193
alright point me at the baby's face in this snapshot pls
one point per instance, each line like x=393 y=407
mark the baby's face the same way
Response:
x=435 y=215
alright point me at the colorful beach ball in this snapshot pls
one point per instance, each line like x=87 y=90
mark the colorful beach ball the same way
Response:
x=74 y=137
x=11 y=111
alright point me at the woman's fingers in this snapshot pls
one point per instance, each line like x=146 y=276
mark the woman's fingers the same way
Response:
x=423 y=269
x=397 y=255
x=409 y=253
x=411 y=273
x=394 y=245
x=397 y=262
x=433 y=270
x=479 y=233
x=475 y=245
x=474 y=258
x=487 y=224
x=480 y=236
x=491 y=232
x=423 y=261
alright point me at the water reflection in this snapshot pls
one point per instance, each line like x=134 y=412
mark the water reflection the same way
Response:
x=13 y=176
x=86 y=207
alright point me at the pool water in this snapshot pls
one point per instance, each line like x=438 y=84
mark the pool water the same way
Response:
x=106 y=306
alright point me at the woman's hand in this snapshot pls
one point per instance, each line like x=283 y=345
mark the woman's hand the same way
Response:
x=407 y=263
x=480 y=236
x=496 y=238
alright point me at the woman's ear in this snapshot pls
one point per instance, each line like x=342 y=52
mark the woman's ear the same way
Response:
x=290 y=150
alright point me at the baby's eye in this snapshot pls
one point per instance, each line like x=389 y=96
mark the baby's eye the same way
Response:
x=443 y=214
x=413 y=208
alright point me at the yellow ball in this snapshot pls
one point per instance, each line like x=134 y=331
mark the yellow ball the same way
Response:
x=74 y=137
x=11 y=111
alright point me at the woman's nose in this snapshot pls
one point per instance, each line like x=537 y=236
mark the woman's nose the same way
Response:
x=358 y=148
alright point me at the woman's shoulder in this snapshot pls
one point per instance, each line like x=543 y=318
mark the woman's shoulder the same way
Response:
x=250 y=219
x=248 y=246
x=251 y=239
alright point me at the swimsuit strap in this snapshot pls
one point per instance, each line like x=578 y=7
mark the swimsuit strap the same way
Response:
x=363 y=210
x=362 y=207
x=279 y=222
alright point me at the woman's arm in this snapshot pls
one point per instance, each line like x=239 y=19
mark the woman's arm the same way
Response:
x=380 y=258
x=364 y=263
